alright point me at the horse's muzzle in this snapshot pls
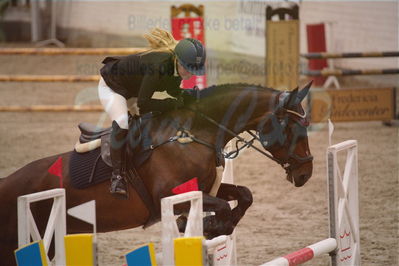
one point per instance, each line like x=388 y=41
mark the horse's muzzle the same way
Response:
x=300 y=176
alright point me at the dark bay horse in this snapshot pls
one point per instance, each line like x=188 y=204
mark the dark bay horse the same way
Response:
x=276 y=117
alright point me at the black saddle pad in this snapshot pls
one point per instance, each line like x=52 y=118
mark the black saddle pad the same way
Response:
x=87 y=169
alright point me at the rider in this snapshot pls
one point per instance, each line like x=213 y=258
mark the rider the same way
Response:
x=140 y=75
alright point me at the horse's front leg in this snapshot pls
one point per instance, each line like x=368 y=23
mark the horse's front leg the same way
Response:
x=219 y=223
x=243 y=196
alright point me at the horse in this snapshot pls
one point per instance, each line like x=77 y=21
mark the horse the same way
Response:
x=211 y=117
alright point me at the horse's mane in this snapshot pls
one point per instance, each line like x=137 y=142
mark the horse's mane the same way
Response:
x=213 y=97
x=224 y=93
x=223 y=88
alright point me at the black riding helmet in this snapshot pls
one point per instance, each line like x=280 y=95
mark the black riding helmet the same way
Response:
x=191 y=55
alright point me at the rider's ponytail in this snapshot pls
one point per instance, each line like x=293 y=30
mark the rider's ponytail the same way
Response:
x=160 y=39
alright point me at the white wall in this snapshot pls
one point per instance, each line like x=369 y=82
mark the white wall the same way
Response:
x=352 y=25
x=117 y=17
x=137 y=17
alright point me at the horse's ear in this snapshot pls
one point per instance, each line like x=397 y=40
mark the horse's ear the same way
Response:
x=302 y=94
x=292 y=98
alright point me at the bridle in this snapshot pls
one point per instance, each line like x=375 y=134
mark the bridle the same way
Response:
x=299 y=129
x=288 y=163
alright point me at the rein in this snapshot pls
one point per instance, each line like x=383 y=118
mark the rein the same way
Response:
x=285 y=163
x=247 y=144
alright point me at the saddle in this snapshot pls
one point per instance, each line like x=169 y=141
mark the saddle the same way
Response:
x=93 y=137
x=90 y=132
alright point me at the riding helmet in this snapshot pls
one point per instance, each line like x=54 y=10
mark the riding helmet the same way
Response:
x=191 y=55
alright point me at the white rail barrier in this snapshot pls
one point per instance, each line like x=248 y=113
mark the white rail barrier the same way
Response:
x=56 y=225
x=194 y=228
x=226 y=253
x=344 y=202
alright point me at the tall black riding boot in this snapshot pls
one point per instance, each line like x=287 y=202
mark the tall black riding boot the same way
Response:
x=117 y=149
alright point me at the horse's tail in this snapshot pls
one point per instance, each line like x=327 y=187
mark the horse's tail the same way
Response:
x=160 y=39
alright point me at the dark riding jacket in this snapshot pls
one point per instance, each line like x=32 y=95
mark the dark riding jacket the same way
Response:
x=140 y=75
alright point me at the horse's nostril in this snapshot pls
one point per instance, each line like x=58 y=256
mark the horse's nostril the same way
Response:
x=301 y=180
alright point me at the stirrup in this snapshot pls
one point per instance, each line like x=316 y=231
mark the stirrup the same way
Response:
x=118 y=187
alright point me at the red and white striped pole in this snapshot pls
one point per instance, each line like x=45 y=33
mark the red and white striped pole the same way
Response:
x=303 y=255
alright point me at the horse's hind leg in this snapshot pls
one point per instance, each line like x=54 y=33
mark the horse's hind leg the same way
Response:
x=243 y=196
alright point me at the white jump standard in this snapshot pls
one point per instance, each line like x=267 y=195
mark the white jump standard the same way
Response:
x=344 y=243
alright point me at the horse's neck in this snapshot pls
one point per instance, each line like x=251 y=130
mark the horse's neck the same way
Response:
x=238 y=106
x=236 y=109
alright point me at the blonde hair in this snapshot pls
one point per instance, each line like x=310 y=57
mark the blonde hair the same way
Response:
x=160 y=40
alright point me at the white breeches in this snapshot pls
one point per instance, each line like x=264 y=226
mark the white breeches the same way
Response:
x=115 y=105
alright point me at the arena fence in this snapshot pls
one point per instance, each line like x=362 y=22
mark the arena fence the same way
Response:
x=59 y=78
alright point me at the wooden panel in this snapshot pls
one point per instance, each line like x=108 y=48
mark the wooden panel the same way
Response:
x=352 y=105
x=282 y=54
x=187 y=9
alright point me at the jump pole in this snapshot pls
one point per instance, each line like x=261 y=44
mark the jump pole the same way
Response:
x=49 y=78
x=350 y=55
x=351 y=72
x=305 y=254
x=344 y=242
x=71 y=51
x=52 y=108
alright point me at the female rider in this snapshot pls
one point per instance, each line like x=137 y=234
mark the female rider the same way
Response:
x=140 y=75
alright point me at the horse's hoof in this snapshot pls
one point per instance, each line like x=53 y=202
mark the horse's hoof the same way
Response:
x=181 y=222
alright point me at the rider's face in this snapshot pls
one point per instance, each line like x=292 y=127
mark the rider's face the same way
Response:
x=184 y=74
